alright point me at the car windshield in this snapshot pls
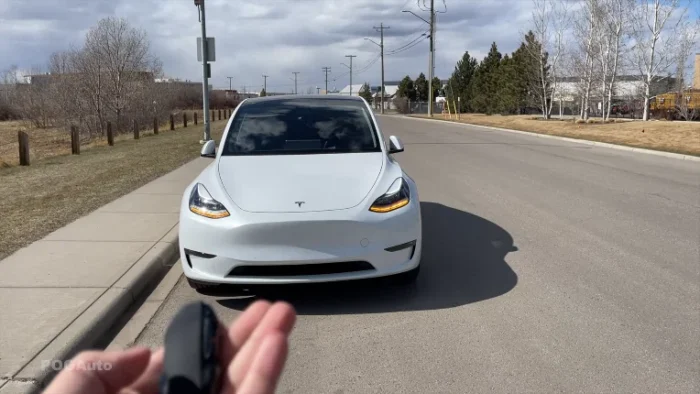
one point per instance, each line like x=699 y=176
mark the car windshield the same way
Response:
x=301 y=126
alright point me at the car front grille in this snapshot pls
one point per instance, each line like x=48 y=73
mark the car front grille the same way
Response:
x=300 y=269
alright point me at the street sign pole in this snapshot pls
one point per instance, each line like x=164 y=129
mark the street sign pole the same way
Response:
x=205 y=71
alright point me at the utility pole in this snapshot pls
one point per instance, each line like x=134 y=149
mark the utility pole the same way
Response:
x=326 y=70
x=295 y=81
x=205 y=70
x=350 y=67
x=230 y=87
x=431 y=66
x=381 y=29
x=265 y=83
x=431 y=58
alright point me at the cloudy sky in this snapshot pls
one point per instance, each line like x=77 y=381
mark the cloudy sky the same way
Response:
x=273 y=37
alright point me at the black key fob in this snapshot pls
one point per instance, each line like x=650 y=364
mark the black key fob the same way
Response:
x=191 y=364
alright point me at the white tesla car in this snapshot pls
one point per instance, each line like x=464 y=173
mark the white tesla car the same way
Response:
x=301 y=189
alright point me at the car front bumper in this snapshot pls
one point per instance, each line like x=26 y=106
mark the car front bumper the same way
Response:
x=260 y=248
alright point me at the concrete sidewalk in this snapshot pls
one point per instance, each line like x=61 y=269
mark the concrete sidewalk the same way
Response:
x=60 y=294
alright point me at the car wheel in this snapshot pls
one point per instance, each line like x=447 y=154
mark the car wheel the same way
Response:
x=408 y=277
x=201 y=285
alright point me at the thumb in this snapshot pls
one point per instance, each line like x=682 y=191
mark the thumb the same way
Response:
x=100 y=372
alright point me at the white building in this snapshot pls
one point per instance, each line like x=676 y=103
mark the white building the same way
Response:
x=628 y=88
x=355 y=90
x=389 y=96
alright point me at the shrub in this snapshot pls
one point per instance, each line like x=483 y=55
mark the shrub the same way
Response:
x=401 y=104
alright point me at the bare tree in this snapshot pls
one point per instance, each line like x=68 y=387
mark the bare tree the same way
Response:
x=586 y=26
x=655 y=23
x=8 y=91
x=124 y=64
x=686 y=37
x=551 y=19
x=686 y=41
x=614 y=23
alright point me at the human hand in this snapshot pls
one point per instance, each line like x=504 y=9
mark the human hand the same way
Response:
x=252 y=356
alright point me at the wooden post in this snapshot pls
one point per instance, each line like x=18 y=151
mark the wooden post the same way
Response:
x=219 y=114
x=74 y=140
x=213 y=116
x=136 y=130
x=195 y=117
x=172 y=122
x=23 y=148
x=155 y=125
x=110 y=135
x=184 y=119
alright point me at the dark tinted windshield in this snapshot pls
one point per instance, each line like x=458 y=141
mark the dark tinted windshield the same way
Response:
x=301 y=126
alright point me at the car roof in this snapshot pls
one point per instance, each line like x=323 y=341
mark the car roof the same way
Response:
x=293 y=97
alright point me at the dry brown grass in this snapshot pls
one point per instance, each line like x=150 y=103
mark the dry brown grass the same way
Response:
x=54 y=191
x=678 y=137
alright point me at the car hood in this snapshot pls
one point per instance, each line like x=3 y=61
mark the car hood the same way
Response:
x=299 y=183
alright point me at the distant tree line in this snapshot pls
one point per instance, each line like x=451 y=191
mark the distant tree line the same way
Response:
x=418 y=90
x=591 y=42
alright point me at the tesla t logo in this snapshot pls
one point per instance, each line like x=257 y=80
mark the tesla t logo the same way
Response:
x=300 y=203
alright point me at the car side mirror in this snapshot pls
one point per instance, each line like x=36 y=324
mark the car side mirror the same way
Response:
x=209 y=149
x=395 y=145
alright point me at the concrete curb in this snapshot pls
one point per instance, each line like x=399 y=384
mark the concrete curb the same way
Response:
x=574 y=140
x=129 y=334
x=86 y=330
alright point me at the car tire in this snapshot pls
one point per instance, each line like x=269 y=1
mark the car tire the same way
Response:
x=408 y=277
x=201 y=285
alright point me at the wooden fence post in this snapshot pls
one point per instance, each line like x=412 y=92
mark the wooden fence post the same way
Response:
x=184 y=119
x=172 y=122
x=74 y=140
x=136 y=130
x=23 y=148
x=213 y=116
x=195 y=117
x=219 y=114
x=155 y=125
x=110 y=135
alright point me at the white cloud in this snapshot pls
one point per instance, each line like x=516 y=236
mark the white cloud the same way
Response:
x=273 y=37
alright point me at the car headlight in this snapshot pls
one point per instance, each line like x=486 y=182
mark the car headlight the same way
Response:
x=203 y=204
x=396 y=197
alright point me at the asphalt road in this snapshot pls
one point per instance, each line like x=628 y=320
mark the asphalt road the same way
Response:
x=548 y=267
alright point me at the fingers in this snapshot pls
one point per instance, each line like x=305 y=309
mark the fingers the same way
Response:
x=100 y=372
x=245 y=325
x=148 y=382
x=279 y=319
x=267 y=365
x=239 y=331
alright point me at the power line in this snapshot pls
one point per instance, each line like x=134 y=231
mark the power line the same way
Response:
x=420 y=32
x=368 y=66
x=414 y=41
x=362 y=69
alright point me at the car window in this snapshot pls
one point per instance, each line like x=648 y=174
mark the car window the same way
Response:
x=301 y=126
